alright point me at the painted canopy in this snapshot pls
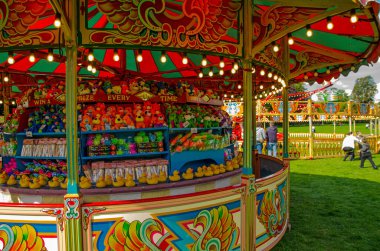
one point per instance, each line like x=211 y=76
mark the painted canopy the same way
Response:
x=194 y=29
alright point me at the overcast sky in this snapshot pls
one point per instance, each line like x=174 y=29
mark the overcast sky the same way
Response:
x=347 y=83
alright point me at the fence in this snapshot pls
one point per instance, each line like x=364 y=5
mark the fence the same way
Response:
x=320 y=145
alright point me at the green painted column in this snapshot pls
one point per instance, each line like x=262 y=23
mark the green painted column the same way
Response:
x=285 y=98
x=248 y=178
x=285 y=122
x=72 y=200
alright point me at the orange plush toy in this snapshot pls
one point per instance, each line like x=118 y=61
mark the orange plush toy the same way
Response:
x=140 y=121
x=96 y=121
x=128 y=121
x=118 y=121
x=86 y=123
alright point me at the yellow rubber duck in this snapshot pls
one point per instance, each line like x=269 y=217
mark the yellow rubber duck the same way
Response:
x=109 y=180
x=208 y=172
x=199 y=172
x=142 y=178
x=3 y=178
x=84 y=183
x=162 y=177
x=229 y=166
x=64 y=184
x=175 y=176
x=216 y=171
x=222 y=169
x=188 y=175
x=35 y=183
x=153 y=180
x=101 y=182
x=43 y=180
x=54 y=182
x=12 y=181
x=24 y=181
x=119 y=182
x=129 y=181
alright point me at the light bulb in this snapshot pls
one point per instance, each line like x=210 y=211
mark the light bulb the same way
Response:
x=185 y=60
x=290 y=40
x=221 y=72
x=232 y=96
x=262 y=72
x=354 y=17
x=275 y=77
x=330 y=24
x=279 y=80
x=233 y=71
x=241 y=99
x=255 y=96
x=328 y=71
x=57 y=21
x=270 y=75
x=261 y=87
x=1 y=102
x=90 y=56
x=89 y=67
x=309 y=31
x=32 y=58
x=200 y=75
x=239 y=86
x=139 y=57
x=225 y=95
x=163 y=57
x=93 y=70
x=6 y=78
x=204 y=61
x=50 y=56
x=272 y=86
x=11 y=59
x=253 y=70
x=221 y=63
x=260 y=96
x=276 y=48
x=236 y=66
x=211 y=73
x=116 y=56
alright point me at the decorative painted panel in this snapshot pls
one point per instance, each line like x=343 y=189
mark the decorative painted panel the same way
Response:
x=212 y=26
x=27 y=23
x=196 y=227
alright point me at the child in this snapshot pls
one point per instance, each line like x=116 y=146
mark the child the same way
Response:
x=365 y=153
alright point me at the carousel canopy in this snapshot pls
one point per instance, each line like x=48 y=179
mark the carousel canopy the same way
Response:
x=193 y=40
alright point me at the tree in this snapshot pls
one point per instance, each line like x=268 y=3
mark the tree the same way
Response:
x=340 y=95
x=298 y=87
x=364 y=90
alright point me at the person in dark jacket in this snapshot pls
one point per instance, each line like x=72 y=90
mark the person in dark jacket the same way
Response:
x=365 y=153
x=271 y=136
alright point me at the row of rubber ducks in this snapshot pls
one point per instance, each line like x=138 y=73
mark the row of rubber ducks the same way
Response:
x=207 y=171
x=32 y=183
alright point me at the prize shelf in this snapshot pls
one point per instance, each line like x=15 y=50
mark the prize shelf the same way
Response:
x=40 y=158
x=150 y=154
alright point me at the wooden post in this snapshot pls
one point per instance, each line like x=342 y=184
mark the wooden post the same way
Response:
x=311 y=133
x=354 y=125
x=349 y=111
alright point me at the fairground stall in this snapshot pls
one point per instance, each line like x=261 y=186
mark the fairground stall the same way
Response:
x=313 y=143
x=115 y=137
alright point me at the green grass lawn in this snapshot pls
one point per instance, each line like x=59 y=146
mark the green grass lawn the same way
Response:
x=335 y=205
x=327 y=128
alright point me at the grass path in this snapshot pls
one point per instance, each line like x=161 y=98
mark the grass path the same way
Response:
x=335 y=205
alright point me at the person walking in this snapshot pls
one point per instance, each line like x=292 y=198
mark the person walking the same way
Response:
x=365 y=154
x=271 y=136
x=348 y=146
x=260 y=137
